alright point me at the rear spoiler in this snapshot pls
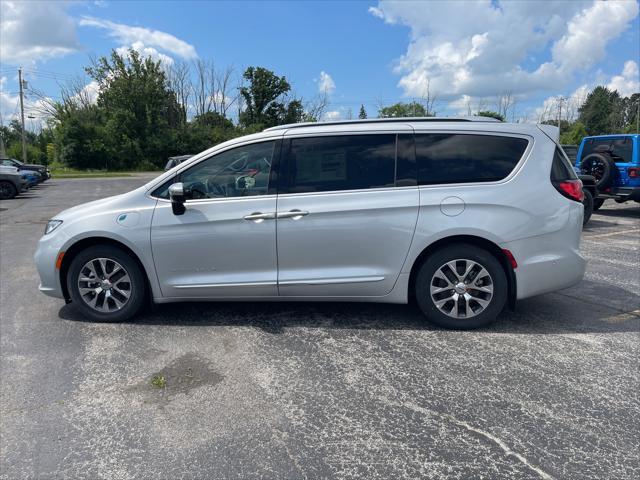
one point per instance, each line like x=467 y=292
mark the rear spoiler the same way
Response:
x=551 y=131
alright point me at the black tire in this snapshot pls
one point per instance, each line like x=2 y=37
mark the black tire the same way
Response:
x=467 y=252
x=597 y=203
x=137 y=283
x=601 y=166
x=588 y=206
x=7 y=190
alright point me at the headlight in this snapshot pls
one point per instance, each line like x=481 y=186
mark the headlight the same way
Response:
x=51 y=226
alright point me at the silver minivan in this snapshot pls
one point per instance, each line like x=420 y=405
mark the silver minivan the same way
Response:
x=464 y=216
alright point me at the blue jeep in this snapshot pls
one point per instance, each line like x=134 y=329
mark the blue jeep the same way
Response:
x=614 y=161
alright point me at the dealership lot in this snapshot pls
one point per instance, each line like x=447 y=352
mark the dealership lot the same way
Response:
x=319 y=390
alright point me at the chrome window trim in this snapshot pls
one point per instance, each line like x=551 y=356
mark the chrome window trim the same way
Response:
x=200 y=201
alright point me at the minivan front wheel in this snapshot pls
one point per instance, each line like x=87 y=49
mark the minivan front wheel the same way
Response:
x=106 y=284
x=461 y=287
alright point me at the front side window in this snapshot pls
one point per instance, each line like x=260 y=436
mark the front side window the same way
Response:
x=464 y=158
x=238 y=172
x=346 y=162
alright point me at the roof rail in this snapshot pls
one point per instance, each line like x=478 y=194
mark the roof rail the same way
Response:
x=383 y=120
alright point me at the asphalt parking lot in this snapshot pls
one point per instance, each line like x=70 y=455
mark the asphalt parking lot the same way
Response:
x=319 y=390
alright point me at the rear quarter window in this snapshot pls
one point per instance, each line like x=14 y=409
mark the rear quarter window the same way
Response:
x=561 y=168
x=445 y=158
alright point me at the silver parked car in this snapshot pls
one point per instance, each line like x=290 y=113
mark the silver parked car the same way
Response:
x=463 y=215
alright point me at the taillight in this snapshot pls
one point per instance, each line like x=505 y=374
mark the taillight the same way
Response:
x=634 y=172
x=572 y=189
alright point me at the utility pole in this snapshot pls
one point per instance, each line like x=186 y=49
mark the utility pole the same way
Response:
x=560 y=100
x=24 y=140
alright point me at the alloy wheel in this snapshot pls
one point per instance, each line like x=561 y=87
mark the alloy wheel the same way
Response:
x=104 y=285
x=461 y=288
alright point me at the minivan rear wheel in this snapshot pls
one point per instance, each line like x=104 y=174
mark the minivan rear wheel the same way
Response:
x=106 y=284
x=461 y=286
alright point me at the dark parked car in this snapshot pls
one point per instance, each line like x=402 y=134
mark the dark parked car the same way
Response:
x=590 y=192
x=32 y=177
x=589 y=188
x=571 y=151
x=11 y=184
x=173 y=161
x=41 y=169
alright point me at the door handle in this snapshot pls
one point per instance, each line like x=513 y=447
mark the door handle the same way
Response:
x=260 y=217
x=294 y=214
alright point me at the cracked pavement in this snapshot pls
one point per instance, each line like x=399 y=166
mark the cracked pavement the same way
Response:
x=313 y=390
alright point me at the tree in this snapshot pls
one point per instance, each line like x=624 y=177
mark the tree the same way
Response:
x=314 y=109
x=631 y=108
x=597 y=111
x=490 y=114
x=265 y=100
x=363 y=113
x=400 y=109
x=140 y=110
x=178 y=77
x=212 y=119
x=574 y=135
x=506 y=103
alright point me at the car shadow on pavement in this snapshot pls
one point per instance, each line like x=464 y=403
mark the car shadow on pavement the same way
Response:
x=633 y=212
x=557 y=313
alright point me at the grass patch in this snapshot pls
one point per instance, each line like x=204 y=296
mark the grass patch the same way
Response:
x=159 y=381
x=90 y=175
x=64 y=172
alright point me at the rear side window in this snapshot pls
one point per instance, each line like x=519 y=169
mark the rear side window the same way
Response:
x=346 y=162
x=561 y=169
x=464 y=158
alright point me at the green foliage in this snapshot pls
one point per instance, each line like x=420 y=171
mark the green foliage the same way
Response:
x=159 y=381
x=138 y=108
x=574 y=135
x=411 y=109
x=265 y=100
x=490 y=114
x=363 y=113
x=598 y=111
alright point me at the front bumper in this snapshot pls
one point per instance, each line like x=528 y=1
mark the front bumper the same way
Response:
x=45 y=259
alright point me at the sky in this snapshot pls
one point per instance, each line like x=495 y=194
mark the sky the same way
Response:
x=465 y=55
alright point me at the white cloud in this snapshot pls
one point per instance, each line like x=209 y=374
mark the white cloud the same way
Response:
x=155 y=39
x=326 y=83
x=493 y=46
x=589 y=31
x=628 y=82
x=332 y=115
x=145 y=51
x=89 y=93
x=32 y=31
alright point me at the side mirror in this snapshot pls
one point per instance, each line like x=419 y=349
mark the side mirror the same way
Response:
x=176 y=194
